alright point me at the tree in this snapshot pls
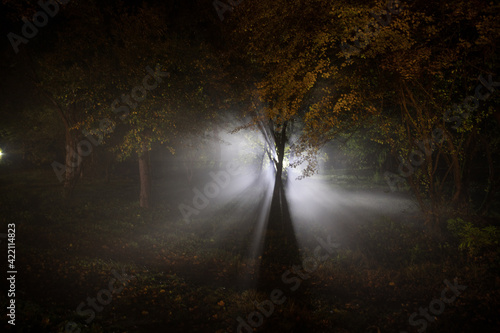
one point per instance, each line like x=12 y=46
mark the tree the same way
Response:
x=75 y=87
x=148 y=76
x=432 y=57
x=301 y=97
x=184 y=100
x=328 y=66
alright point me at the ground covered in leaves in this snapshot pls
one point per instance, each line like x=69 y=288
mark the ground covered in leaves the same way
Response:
x=99 y=263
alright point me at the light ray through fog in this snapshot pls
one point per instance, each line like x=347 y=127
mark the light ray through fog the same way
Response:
x=263 y=209
x=314 y=202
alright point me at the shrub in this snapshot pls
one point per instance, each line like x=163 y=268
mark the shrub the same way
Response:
x=473 y=240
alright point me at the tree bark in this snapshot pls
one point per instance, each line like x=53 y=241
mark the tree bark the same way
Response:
x=145 y=178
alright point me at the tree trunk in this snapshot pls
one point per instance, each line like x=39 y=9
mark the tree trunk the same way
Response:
x=145 y=178
x=218 y=151
x=279 y=217
x=280 y=243
x=72 y=163
x=109 y=166
x=457 y=177
x=490 y=188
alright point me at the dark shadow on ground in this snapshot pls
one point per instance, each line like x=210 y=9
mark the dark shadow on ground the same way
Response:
x=281 y=275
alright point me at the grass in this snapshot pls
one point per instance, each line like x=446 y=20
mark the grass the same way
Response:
x=198 y=277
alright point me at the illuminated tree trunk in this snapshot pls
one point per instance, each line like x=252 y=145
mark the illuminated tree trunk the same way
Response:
x=280 y=244
x=145 y=178
x=279 y=216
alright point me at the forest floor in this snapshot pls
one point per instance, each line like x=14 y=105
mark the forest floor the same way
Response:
x=99 y=263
